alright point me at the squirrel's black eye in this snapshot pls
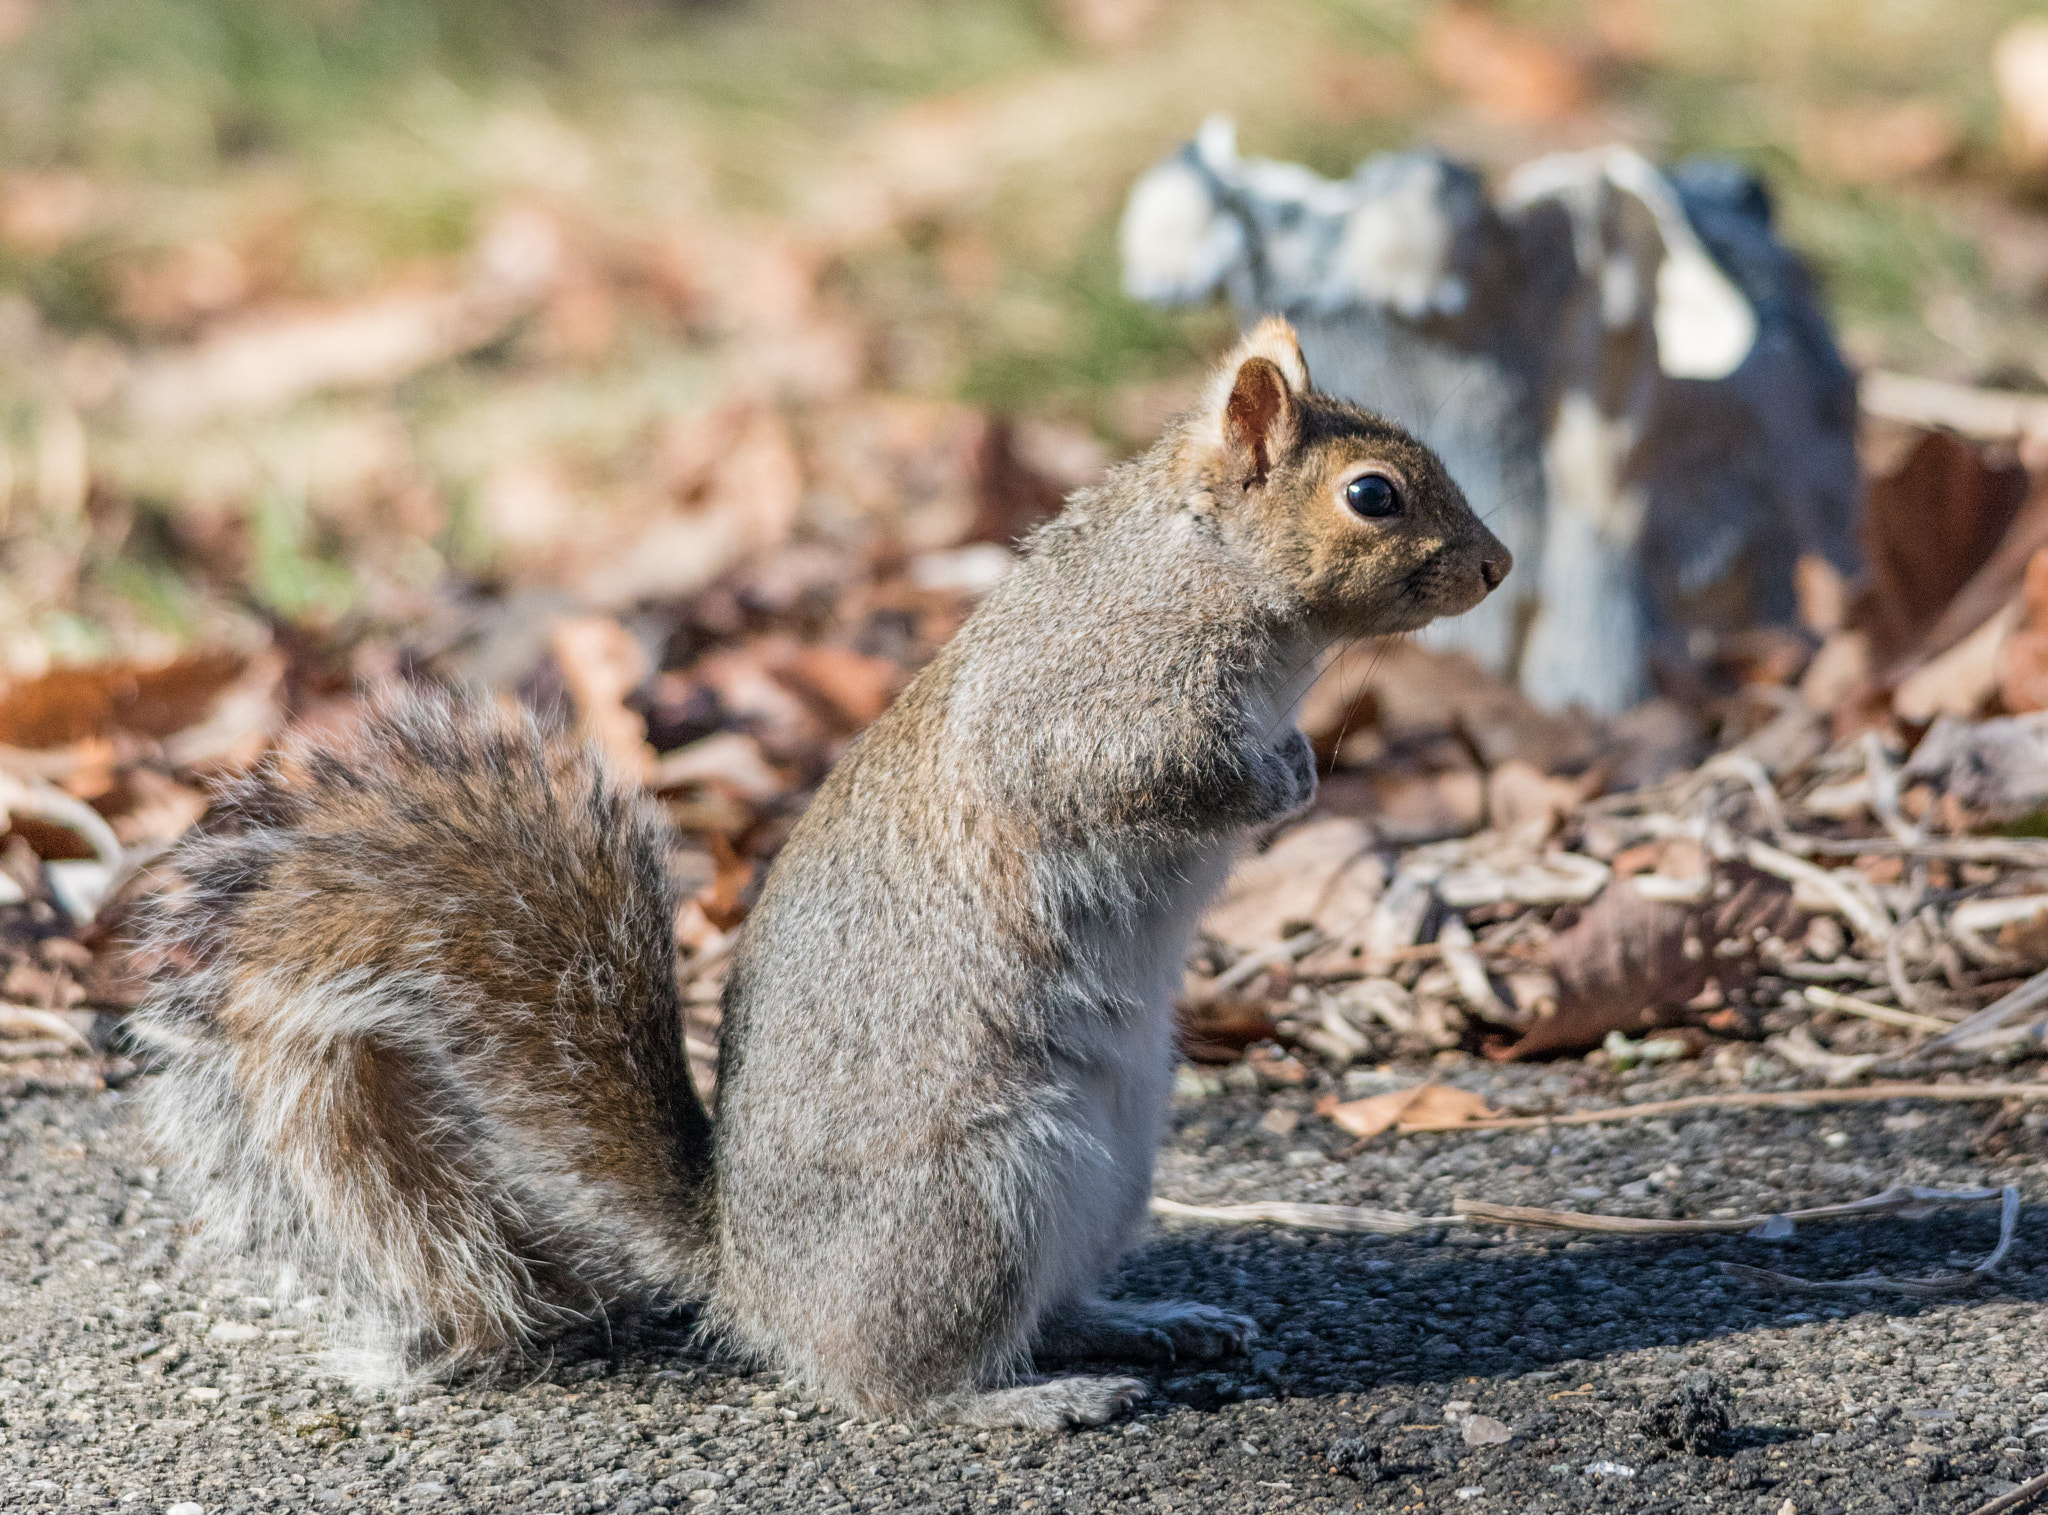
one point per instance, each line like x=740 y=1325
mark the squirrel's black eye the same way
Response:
x=1373 y=496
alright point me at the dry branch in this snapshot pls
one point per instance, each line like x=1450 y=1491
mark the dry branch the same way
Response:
x=1304 y=1217
x=2018 y=1499
x=1917 y=1288
x=1904 y=1201
x=1751 y=1100
x=1987 y=414
x=1849 y=1004
x=25 y=1021
x=1993 y=1022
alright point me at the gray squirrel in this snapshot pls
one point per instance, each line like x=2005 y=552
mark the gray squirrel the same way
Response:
x=418 y=986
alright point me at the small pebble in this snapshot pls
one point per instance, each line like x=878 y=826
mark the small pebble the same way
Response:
x=1485 y=1431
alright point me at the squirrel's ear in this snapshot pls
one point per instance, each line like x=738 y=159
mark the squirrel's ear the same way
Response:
x=1252 y=398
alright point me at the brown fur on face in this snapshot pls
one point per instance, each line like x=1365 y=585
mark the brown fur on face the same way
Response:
x=1274 y=456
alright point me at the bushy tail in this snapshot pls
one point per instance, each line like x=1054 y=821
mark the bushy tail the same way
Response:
x=417 y=992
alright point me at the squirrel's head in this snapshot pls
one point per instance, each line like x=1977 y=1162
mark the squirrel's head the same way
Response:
x=1358 y=521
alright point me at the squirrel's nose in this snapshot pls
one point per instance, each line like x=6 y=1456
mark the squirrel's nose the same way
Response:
x=1493 y=570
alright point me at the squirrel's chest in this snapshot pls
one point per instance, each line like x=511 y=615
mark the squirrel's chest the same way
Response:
x=1113 y=1056
x=1127 y=937
x=1128 y=924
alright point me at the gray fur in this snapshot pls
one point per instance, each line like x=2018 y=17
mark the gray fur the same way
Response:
x=948 y=1040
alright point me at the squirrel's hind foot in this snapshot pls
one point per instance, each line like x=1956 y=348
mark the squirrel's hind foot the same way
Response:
x=1099 y=1330
x=1053 y=1405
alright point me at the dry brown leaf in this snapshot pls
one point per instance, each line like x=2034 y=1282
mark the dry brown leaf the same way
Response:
x=730 y=894
x=2000 y=578
x=601 y=664
x=1219 y=1030
x=852 y=686
x=759 y=289
x=1874 y=142
x=750 y=696
x=911 y=461
x=729 y=760
x=1404 y=805
x=153 y=807
x=1431 y=1105
x=1962 y=681
x=738 y=500
x=1408 y=692
x=1502 y=69
x=1929 y=526
x=245 y=717
x=1843 y=665
x=41 y=212
x=1519 y=795
x=1011 y=495
x=1323 y=873
x=72 y=705
x=2023 y=661
x=1628 y=957
x=1367 y=1118
x=266 y=359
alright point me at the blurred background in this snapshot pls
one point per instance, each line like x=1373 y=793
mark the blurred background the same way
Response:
x=316 y=311
x=693 y=366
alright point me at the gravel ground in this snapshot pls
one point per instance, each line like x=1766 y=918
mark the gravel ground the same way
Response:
x=132 y=1379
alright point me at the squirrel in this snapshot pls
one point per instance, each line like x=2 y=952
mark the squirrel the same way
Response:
x=416 y=984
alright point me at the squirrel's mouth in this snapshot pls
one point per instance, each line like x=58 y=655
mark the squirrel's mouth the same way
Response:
x=1434 y=589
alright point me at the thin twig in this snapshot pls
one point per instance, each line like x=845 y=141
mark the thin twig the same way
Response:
x=1252 y=964
x=1884 y=792
x=1907 y=1202
x=46 y=802
x=24 y=1020
x=1830 y=973
x=1746 y=1100
x=1994 y=1017
x=1306 y=1217
x=2019 y=1498
x=1895 y=966
x=1849 y=1004
x=2012 y=851
x=1973 y=411
x=711 y=956
x=1862 y=1283
x=1920 y=1288
x=1870 y=920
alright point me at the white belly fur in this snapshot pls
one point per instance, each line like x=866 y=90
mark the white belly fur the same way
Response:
x=1113 y=1090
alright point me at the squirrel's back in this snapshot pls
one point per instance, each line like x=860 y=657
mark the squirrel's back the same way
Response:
x=399 y=974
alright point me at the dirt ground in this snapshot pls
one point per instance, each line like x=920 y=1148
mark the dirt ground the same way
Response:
x=132 y=1378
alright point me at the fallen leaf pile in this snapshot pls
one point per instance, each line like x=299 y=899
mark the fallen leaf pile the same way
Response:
x=1834 y=883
